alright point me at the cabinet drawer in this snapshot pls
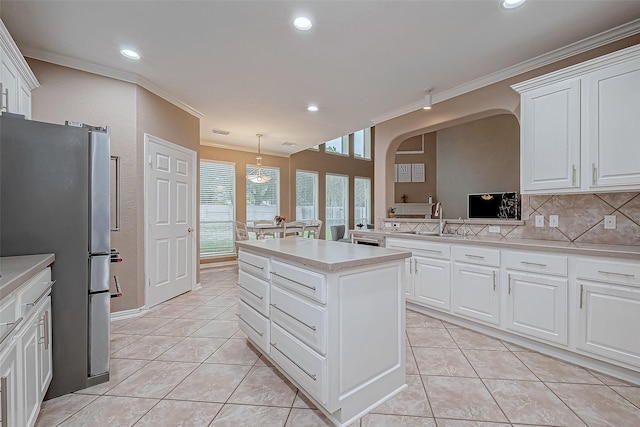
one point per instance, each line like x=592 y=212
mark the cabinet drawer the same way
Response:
x=254 y=264
x=421 y=247
x=477 y=255
x=303 y=282
x=254 y=292
x=624 y=273
x=33 y=292
x=305 y=366
x=304 y=320
x=535 y=262
x=254 y=325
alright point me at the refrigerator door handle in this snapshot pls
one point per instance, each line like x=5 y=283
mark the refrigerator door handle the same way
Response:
x=100 y=220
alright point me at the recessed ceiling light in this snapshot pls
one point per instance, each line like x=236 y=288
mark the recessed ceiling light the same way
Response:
x=289 y=144
x=312 y=108
x=511 y=4
x=128 y=53
x=220 y=131
x=302 y=23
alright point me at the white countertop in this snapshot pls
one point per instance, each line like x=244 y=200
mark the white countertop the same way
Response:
x=325 y=255
x=15 y=270
x=586 y=249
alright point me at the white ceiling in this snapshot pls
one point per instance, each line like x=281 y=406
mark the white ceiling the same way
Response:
x=244 y=68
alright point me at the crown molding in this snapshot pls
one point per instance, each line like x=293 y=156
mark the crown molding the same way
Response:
x=593 y=42
x=113 y=73
x=9 y=48
x=242 y=148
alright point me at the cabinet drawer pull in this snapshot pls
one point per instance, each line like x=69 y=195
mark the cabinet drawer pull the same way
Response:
x=474 y=256
x=594 y=173
x=46 y=330
x=312 y=376
x=573 y=176
x=431 y=250
x=250 y=291
x=49 y=285
x=312 y=327
x=509 y=282
x=252 y=265
x=4 y=413
x=613 y=273
x=581 y=289
x=249 y=325
x=494 y=279
x=313 y=288
x=13 y=325
x=537 y=264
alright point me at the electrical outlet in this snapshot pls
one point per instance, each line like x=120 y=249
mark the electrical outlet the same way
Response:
x=553 y=220
x=610 y=222
x=396 y=225
x=539 y=220
x=494 y=229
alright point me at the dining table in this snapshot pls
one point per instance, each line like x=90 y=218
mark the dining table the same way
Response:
x=262 y=229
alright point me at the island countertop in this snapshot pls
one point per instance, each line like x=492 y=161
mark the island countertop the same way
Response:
x=323 y=254
x=16 y=270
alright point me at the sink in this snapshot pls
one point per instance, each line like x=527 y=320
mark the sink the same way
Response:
x=429 y=233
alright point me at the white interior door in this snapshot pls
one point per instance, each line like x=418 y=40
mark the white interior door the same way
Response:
x=169 y=206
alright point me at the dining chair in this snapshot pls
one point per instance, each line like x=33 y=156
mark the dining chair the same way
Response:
x=337 y=234
x=241 y=231
x=261 y=234
x=314 y=228
x=293 y=228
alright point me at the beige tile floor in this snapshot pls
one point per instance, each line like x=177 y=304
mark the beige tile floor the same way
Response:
x=186 y=363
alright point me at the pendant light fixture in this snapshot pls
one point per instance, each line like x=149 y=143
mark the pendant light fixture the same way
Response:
x=259 y=178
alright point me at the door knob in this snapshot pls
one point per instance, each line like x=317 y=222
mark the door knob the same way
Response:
x=189 y=229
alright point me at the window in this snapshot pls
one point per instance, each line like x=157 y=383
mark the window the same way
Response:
x=362 y=144
x=362 y=200
x=217 y=208
x=263 y=200
x=337 y=206
x=337 y=146
x=306 y=196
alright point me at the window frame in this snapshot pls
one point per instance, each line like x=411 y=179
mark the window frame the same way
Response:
x=234 y=204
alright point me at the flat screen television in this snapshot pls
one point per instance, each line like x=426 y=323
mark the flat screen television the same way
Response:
x=504 y=205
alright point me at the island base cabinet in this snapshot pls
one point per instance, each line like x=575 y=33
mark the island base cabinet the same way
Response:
x=475 y=292
x=537 y=306
x=255 y=326
x=608 y=316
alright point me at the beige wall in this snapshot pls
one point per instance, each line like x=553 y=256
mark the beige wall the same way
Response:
x=494 y=99
x=419 y=192
x=482 y=156
x=68 y=94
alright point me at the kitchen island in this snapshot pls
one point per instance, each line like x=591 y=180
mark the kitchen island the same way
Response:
x=330 y=316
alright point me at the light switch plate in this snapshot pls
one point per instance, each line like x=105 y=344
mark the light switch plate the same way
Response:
x=539 y=220
x=610 y=222
x=553 y=220
x=388 y=225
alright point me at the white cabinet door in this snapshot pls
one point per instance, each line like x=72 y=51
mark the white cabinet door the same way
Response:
x=475 y=292
x=9 y=390
x=29 y=359
x=537 y=306
x=612 y=109
x=550 y=146
x=45 y=349
x=432 y=282
x=10 y=84
x=608 y=319
x=24 y=100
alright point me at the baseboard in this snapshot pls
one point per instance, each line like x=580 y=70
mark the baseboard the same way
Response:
x=127 y=314
x=208 y=265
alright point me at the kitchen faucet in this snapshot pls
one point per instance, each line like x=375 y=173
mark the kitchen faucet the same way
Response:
x=438 y=213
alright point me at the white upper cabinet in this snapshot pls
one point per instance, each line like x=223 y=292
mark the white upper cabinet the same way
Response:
x=16 y=78
x=579 y=128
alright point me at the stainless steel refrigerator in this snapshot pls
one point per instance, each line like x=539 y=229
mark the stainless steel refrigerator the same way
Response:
x=54 y=198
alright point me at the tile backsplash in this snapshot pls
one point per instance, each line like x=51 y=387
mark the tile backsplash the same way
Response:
x=580 y=219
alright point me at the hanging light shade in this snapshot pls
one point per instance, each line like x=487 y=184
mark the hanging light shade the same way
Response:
x=259 y=178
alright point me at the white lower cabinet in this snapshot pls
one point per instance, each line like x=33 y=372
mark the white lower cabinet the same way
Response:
x=10 y=414
x=45 y=356
x=608 y=309
x=537 y=289
x=29 y=359
x=475 y=287
x=537 y=306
